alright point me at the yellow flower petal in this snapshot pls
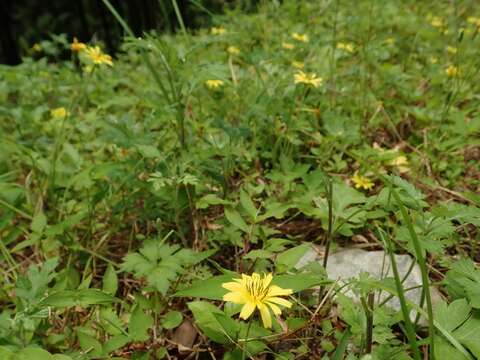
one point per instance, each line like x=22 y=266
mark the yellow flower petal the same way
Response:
x=236 y=297
x=247 y=310
x=232 y=286
x=276 y=310
x=278 y=291
x=267 y=280
x=279 y=301
x=265 y=314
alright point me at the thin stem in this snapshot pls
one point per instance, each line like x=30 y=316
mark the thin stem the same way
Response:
x=369 y=315
x=246 y=339
x=328 y=234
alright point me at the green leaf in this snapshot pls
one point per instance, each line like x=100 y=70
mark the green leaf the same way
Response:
x=161 y=263
x=172 y=319
x=39 y=222
x=110 y=280
x=235 y=219
x=33 y=353
x=139 y=325
x=299 y=282
x=207 y=289
x=115 y=342
x=469 y=335
x=453 y=315
x=89 y=344
x=84 y=297
x=289 y=258
x=248 y=205
x=210 y=199
x=204 y=314
x=148 y=151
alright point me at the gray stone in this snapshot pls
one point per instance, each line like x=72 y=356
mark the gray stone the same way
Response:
x=348 y=263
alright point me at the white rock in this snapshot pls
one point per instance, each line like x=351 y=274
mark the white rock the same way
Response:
x=348 y=263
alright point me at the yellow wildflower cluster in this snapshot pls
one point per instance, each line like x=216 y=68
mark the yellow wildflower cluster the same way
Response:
x=452 y=50
x=298 y=64
x=77 y=46
x=437 y=22
x=95 y=54
x=390 y=41
x=400 y=161
x=308 y=79
x=214 y=84
x=233 y=50
x=361 y=181
x=218 y=30
x=452 y=71
x=474 y=20
x=300 y=37
x=36 y=47
x=346 y=46
x=256 y=292
x=59 y=113
x=288 y=46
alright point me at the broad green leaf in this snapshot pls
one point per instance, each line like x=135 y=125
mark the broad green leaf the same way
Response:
x=84 y=297
x=171 y=319
x=469 y=335
x=289 y=258
x=115 y=342
x=248 y=205
x=210 y=199
x=204 y=314
x=453 y=315
x=139 y=325
x=207 y=289
x=39 y=222
x=33 y=353
x=235 y=219
x=89 y=343
x=148 y=151
x=110 y=280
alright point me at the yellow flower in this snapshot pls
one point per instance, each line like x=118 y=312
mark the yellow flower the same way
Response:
x=452 y=71
x=256 y=292
x=308 y=79
x=97 y=56
x=36 y=47
x=436 y=22
x=474 y=20
x=214 y=84
x=346 y=46
x=59 y=113
x=233 y=50
x=218 y=30
x=300 y=37
x=298 y=64
x=401 y=163
x=452 y=49
x=361 y=181
x=77 y=46
x=288 y=46
x=390 y=41
x=433 y=60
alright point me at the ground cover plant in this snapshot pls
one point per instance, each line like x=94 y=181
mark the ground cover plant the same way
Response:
x=155 y=203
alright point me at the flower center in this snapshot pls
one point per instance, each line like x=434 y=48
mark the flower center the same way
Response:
x=256 y=288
